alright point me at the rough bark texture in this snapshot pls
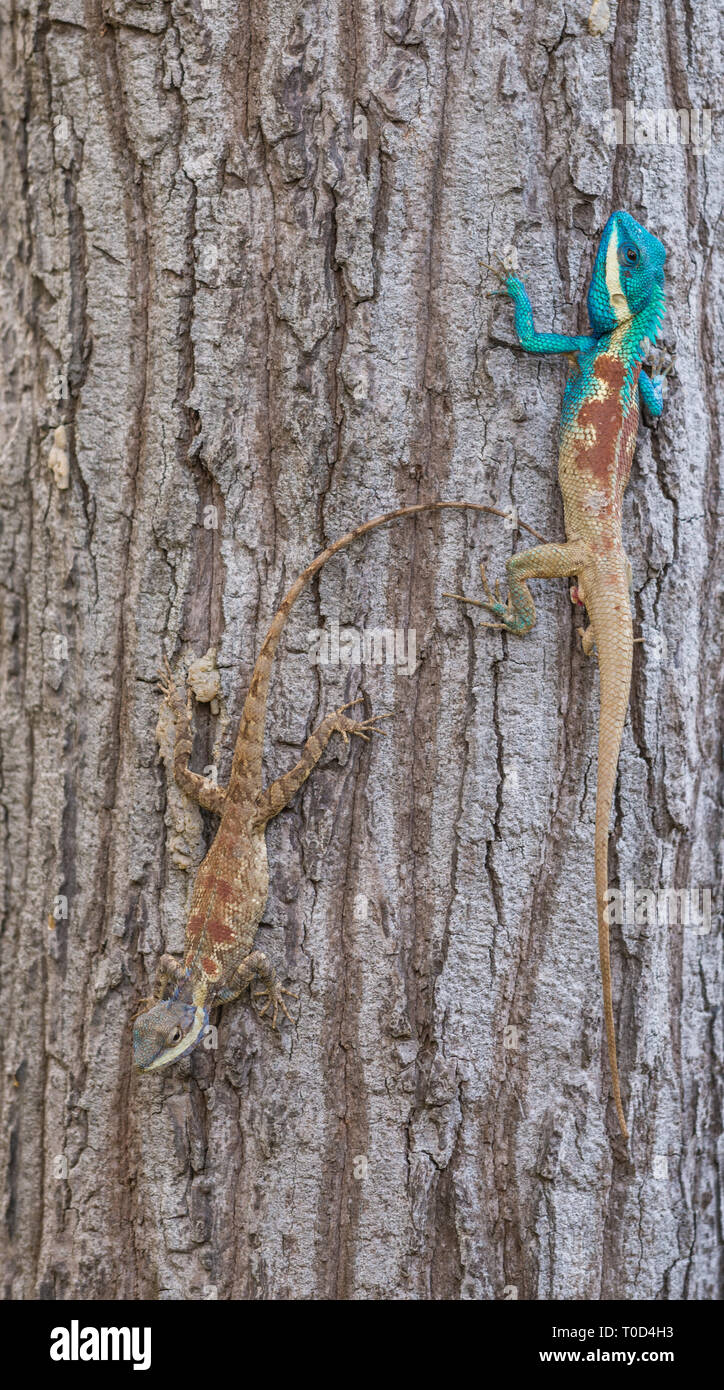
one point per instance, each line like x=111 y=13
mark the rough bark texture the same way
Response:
x=240 y=251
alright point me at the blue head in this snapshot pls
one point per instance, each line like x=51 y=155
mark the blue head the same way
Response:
x=166 y=1032
x=628 y=277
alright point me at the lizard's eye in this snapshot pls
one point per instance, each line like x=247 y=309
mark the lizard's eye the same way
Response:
x=175 y=1036
x=628 y=255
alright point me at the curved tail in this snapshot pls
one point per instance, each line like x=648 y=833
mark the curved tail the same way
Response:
x=246 y=766
x=610 y=612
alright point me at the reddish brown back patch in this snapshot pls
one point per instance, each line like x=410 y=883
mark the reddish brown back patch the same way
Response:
x=225 y=841
x=219 y=933
x=222 y=889
x=210 y=967
x=194 y=927
x=606 y=418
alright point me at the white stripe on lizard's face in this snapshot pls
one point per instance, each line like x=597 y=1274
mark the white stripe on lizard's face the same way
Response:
x=185 y=1043
x=619 y=303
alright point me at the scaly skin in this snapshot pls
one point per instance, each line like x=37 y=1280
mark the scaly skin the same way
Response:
x=232 y=882
x=597 y=438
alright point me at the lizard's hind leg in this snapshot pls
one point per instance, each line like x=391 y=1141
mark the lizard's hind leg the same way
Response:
x=542 y=562
x=279 y=793
x=578 y=597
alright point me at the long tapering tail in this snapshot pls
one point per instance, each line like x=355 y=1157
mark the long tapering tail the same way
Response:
x=247 y=761
x=610 y=612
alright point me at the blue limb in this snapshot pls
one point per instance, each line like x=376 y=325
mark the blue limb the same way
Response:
x=651 y=389
x=525 y=327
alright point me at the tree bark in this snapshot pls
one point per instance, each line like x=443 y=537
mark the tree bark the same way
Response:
x=244 y=311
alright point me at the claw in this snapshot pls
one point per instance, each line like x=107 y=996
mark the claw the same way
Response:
x=501 y=270
x=265 y=994
x=371 y=724
x=346 y=727
x=165 y=677
x=283 y=1006
x=463 y=598
x=492 y=602
x=661 y=361
x=167 y=686
x=486 y=587
x=273 y=995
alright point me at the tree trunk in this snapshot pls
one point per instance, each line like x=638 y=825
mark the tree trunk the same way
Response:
x=244 y=311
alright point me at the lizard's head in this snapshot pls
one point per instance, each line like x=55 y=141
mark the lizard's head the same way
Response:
x=165 y=1032
x=628 y=274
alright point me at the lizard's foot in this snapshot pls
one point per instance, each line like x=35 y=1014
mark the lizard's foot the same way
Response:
x=166 y=682
x=653 y=386
x=587 y=639
x=503 y=269
x=361 y=728
x=494 y=604
x=585 y=633
x=168 y=688
x=501 y=273
x=661 y=361
x=274 y=993
x=168 y=973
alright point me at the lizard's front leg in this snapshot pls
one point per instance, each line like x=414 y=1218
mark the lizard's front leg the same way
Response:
x=256 y=967
x=528 y=337
x=205 y=793
x=279 y=793
x=169 y=974
x=542 y=562
x=652 y=389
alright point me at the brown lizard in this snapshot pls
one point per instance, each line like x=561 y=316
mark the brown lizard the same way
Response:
x=232 y=882
x=597 y=439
